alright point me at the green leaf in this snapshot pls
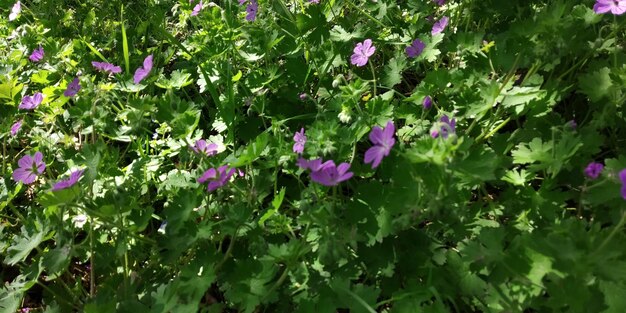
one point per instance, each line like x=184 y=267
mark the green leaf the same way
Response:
x=597 y=84
x=24 y=243
x=393 y=71
x=278 y=200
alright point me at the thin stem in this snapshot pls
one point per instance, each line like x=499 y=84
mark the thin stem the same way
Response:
x=374 y=77
x=617 y=228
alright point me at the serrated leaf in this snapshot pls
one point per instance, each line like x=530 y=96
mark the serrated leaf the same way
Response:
x=393 y=71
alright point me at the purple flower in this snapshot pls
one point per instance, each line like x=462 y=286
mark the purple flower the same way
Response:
x=242 y=2
x=593 y=170
x=142 y=72
x=314 y=1
x=252 y=9
x=16 y=127
x=37 y=54
x=330 y=175
x=300 y=140
x=362 y=52
x=440 y=25
x=415 y=49
x=216 y=178
x=616 y=7
x=29 y=168
x=31 y=102
x=201 y=146
x=440 y=2
x=572 y=125
x=15 y=11
x=383 y=142
x=313 y=165
x=303 y=96
x=444 y=128
x=106 y=67
x=68 y=182
x=197 y=9
x=72 y=88
x=427 y=103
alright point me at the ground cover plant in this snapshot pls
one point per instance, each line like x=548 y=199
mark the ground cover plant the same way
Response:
x=313 y=156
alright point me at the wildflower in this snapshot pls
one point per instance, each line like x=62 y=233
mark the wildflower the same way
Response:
x=15 y=11
x=415 y=49
x=383 y=142
x=303 y=96
x=161 y=229
x=616 y=7
x=107 y=67
x=314 y=1
x=571 y=125
x=300 y=140
x=72 y=88
x=79 y=220
x=330 y=175
x=16 y=127
x=593 y=170
x=37 y=54
x=29 y=168
x=201 y=146
x=362 y=52
x=68 y=182
x=252 y=9
x=446 y=127
x=31 y=102
x=197 y=9
x=313 y=165
x=427 y=103
x=440 y=2
x=216 y=178
x=142 y=72
x=440 y=25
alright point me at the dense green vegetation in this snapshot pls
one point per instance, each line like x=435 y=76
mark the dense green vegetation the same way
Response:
x=313 y=156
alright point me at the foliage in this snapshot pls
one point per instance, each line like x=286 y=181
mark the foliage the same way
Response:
x=480 y=204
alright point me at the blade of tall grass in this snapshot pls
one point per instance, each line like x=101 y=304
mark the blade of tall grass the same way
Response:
x=124 y=41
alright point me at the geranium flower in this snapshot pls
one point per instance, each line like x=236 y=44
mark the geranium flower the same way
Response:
x=37 y=54
x=593 y=170
x=252 y=9
x=68 y=182
x=362 y=52
x=300 y=140
x=313 y=165
x=444 y=128
x=616 y=7
x=29 y=168
x=15 y=11
x=106 y=67
x=330 y=175
x=427 y=103
x=415 y=49
x=314 y=1
x=440 y=25
x=72 y=88
x=201 y=146
x=216 y=178
x=440 y=2
x=142 y=72
x=383 y=142
x=197 y=8
x=31 y=102
x=16 y=127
